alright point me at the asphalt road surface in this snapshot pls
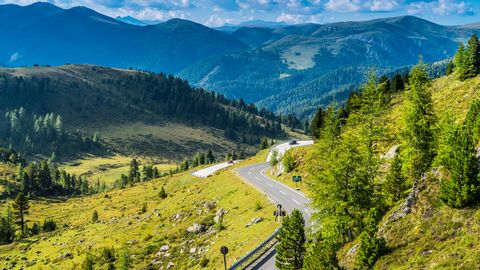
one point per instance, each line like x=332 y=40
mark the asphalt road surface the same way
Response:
x=203 y=173
x=279 y=193
x=284 y=147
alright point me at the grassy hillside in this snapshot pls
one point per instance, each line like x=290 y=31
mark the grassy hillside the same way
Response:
x=122 y=225
x=431 y=235
x=109 y=169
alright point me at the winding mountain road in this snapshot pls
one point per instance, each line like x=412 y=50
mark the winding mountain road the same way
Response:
x=278 y=193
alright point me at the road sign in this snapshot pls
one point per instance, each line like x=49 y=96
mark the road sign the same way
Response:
x=224 y=251
x=296 y=179
x=281 y=213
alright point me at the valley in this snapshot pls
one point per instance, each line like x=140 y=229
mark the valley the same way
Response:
x=137 y=136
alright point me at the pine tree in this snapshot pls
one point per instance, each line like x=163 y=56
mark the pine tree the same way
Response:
x=394 y=184
x=291 y=242
x=371 y=246
x=288 y=162
x=20 y=209
x=460 y=63
x=472 y=57
x=450 y=68
x=274 y=157
x=134 y=173
x=457 y=155
x=162 y=194
x=125 y=260
x=210 y=158
x=321 y=252
x=418 y=137
x=317 y=123
x=264 y=144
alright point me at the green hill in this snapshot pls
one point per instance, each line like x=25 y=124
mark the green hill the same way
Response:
x=133 y=112
x=421 y=230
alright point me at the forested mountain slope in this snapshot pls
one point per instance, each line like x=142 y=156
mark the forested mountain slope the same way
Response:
x=298 y=67
x=131 y=110
x=393 y=175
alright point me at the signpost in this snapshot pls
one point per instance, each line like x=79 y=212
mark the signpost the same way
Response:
x=224 y=251
x=296 y=179
x=279 y=213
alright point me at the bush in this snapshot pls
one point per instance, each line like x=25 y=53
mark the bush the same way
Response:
x=95 y=216
x=35 y=229
x=288 y=162
x=208 y=221
x=143 y=210
x=258 y=206
x=49 y=225
x=274 y=157
x=162 y=194
x=108 y=254
x=204 y=262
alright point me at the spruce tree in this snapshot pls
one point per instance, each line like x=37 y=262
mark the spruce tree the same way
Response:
x=459 y=60
x=291 y=242
x=394 y=184
x=317 y=123
x=134 y=172
x=162 y=194
x=20 y=209
x=457 y=155
x=472 y=57
x=371 y=246
x=419 y=118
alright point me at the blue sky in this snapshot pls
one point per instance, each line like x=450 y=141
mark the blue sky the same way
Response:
x=219 y=12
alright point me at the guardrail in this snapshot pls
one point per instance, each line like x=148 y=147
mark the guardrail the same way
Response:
x=250 y=257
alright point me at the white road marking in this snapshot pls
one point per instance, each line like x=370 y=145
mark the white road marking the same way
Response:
x=256 y=177
x=306 y=211
x=281 y=191
x=270 y=185
x=295 y=201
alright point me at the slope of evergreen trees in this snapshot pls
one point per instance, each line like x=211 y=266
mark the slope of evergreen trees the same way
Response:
x=113 y=95
x=350 y=190
x=43 y=134
x=467 y=59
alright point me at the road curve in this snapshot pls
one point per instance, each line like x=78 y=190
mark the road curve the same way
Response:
x=278 y=193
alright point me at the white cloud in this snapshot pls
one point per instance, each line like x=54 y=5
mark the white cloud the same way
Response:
x=441 y=7
x=215 y=21
x=362 y=6
x=299 y=18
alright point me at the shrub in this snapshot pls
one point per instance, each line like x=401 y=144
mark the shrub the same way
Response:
x=162 y=194
x=204 y=262
x=95 y=216
x=49 y=225
x=108 y=254
x=258 y=206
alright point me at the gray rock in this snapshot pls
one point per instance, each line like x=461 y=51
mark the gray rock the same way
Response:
x=170 y=265
x=210 y=205
x=196 y=228
x=254 y=221
x=164 y=248
x=68 y=255
x=219 y=215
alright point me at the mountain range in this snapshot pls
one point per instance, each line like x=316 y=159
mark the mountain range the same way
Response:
x=285 y=68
